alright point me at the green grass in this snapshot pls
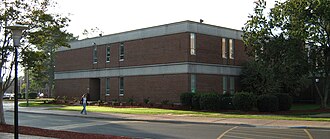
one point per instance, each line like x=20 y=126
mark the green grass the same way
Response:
x=306 y=116
x=38 y=104
x=305 y=107
x=156 y=111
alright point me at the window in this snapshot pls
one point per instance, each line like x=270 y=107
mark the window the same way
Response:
x=193 y=83
x=108 y=54
x=95 y=55
x=224 y=84
x=224 y=48
x=192 y=44
x=121 y=86
x=107 y=87
x=231 y=49
x=121 y=52
x=232 y=85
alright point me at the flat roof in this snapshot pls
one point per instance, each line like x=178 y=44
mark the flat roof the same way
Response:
x=161 y=30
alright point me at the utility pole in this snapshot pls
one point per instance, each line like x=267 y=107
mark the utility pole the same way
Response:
x=27 y=87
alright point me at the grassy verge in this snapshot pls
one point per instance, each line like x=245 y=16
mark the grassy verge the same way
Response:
x=38 y=104
x=306 y=116
x=156 y=111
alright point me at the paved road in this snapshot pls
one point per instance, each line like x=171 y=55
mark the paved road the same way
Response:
x=160 y=130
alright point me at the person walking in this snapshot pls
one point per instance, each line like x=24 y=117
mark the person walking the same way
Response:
x=84 y=103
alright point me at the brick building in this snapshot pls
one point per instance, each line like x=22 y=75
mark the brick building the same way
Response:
x=158 y=62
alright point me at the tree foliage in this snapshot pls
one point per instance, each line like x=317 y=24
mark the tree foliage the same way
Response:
x=292 y=42
x=44 y=28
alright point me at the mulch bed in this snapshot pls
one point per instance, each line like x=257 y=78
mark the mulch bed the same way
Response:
x=55 y=133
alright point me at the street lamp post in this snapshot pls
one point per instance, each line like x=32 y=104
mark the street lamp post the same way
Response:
x=17 y=35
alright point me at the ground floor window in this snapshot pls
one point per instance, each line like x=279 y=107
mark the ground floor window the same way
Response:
x=107 y=86
x=224 y=84
x=232 y=85
x=121 y=86
x=228 y=80
x=193 y=83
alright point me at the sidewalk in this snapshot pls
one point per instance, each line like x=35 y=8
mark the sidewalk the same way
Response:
x=11 y=136
x=189 y=119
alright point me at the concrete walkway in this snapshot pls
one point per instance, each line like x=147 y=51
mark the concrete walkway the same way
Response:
x=11 y=136
x=186 y=118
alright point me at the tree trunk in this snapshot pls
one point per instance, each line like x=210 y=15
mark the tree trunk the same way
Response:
x=326 y=93
x=320 y=95
x=2 y=116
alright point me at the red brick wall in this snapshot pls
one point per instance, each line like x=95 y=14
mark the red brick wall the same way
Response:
x=157 y=88
x=71 y=87
x=208 y=83
x=209 y=50
x=76 y=59
x=156 y=50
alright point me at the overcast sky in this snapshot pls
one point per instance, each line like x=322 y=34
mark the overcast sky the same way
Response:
x=114 y=16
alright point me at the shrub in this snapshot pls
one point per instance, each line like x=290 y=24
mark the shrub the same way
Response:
x=130 y=100
x=165 y=102
x=146 y=100
x=186 y=99
x=209 y=101
x=284 y=101
x=225 y=102
x=243 y=101
x=195 y=101
x=267 y=103
x=33 y=95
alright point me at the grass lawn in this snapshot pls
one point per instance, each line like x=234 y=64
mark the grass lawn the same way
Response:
x=306 y=116
x=38 y=104
x=156 y=111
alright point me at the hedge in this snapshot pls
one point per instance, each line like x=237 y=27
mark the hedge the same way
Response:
x=225 y=101
x=195 y=101
x=284 y=100
x=243 y=101
x=186 y=99
x=209 y=101
x=267 y=103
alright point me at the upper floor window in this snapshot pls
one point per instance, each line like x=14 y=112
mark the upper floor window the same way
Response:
x=121 y=86
x=108 y=54
x=107 y=87
x=224 y=48
x=192 y=44
x=231 y=48
x=95 y=55
x=121 y=52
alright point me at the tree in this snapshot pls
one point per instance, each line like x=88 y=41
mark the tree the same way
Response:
x=42 y=27
x=280 y=61
x=303 y=28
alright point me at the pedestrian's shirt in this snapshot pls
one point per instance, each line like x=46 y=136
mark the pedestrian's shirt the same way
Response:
x=84 y=99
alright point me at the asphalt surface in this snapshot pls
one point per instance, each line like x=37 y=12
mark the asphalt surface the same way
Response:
x=160 y=129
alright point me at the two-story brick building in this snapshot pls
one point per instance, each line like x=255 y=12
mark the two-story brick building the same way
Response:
x=158 y=62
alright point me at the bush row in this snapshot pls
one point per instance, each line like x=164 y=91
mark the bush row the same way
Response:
x=265 y=103
x=242 y=101
x=207 y=101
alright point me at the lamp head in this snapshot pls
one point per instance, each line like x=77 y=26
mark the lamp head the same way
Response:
x=17 y=30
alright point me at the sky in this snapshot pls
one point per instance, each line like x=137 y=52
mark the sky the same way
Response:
x=114 y=16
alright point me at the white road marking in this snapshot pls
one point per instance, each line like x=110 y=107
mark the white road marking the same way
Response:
x=95 y=123
x=309 y=134
x=223 y=134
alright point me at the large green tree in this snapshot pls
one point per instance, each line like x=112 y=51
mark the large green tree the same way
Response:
x=44 y=27
x=303 y=25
